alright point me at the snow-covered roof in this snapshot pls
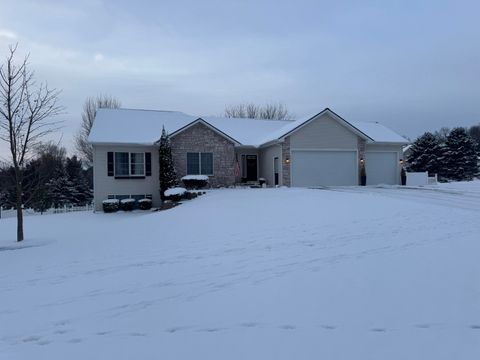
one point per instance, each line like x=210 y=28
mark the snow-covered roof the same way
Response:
x=379 y=132
x=370 y=131
x=134 y=126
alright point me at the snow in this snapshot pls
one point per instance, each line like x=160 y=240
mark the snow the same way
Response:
x=145 y=126
x=378 y=132
x=340 y=273
x=111 y=201
x=195 y=177
x=126 y=201
x=175 y=191
x=373 y=130
x=145 y=200
x=131 y=126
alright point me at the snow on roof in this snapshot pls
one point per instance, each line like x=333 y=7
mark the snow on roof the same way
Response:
x=246 y=131
x=371 y=130
x=378 y=132
x=136 y=126
x=132 y=126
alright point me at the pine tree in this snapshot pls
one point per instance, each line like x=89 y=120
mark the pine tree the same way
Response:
x=79 y=192
x=168 y=176
x=426 y=154
x=460 y=156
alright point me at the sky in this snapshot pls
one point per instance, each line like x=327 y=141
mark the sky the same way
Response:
x=411 y=65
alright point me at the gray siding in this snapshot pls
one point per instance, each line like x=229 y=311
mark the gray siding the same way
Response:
x=104 y=185
x=388 y=148
x=267 y=155
x=323 y=133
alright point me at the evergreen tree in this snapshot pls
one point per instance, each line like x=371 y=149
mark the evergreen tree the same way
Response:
x=168 y=176
x=78 y=191
x=426 y=154
x=460 y=156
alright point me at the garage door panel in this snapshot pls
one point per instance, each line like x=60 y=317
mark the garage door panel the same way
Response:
x=324 y=168
x=381 y=168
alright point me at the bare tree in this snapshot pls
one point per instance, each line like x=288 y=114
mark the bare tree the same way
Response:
x=26 y=110
x=249 y=110
x=90 y=107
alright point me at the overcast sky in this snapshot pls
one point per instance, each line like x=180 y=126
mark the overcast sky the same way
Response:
x=412 y=65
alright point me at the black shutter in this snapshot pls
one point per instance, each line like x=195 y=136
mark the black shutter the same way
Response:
x=110 y=163
x=148 y=164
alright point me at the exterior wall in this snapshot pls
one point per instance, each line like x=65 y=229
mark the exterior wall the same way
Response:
x=324 y=133
x=104 y=185
x=200 y=138
x=388 y=148
x=267 y=155
x=361 y=155
x=285 y=178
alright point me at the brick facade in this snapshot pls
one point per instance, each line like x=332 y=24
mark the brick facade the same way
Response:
x=286 y=167
x=200 y=138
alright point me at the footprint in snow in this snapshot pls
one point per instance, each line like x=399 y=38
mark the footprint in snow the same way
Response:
x=175 y=329
x=475 y=327
x=75 y=341
x=288 y=327
x=138 y=334
x=211 y=329
x=101 y=333
x=31 y=338
x=44 y=342
x=378 y=330
x=249 y=324
x=329 y=327
x=423 y=326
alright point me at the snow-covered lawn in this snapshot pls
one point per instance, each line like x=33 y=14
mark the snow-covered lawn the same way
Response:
x=348 y=273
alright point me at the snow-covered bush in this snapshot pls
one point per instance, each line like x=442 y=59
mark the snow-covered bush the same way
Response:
x=195 y=181
x=110 y=205
x=127 y=204
x=175 y=194
x=145 y=204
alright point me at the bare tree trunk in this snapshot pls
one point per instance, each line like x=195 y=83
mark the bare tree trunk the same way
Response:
x=19 y=207
x=19 y=216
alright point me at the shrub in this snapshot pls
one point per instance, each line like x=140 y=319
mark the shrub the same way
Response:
x=110 y=205
x=175 y=194
x=145 y=204
x=195 y=181
x=127 y=204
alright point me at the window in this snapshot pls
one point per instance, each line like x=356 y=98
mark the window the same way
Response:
x=121 y=164
x=129 y=164
x=199 y=163
x=137 y=164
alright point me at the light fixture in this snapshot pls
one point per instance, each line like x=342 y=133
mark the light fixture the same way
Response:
x=362 y=161
x=287 y=160
x=401 y=161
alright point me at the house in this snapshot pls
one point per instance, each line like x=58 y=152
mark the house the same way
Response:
x=322 y=150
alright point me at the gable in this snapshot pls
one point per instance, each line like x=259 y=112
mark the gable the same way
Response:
x=201 y=126
x=323 y=132
x=198 y=136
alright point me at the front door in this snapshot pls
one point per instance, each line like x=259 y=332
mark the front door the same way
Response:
x=251 y=166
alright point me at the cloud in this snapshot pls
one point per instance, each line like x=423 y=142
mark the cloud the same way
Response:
x=98 y=57
x=7 y=34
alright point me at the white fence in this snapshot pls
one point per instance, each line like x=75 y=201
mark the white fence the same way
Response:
x=421 y=178
x=27 y=212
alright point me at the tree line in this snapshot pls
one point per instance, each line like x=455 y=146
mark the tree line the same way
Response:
x=451 y=154
x=49 y=179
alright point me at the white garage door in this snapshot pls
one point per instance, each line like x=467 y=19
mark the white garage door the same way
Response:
x=324 y=168
x=381 y=168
